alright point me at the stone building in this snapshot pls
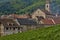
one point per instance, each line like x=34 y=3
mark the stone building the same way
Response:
x=45 y=13
x=38 y=12
x=9 y=26
x=27 y=24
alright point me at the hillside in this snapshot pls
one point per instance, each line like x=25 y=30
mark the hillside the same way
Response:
x=19 y=6
x=23 y=6
x=50 y=33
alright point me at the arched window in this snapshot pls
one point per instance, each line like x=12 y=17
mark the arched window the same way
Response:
x=6 y=28
x=40 y=17
x=47 y=6
x=10 y=24
x=14 y=28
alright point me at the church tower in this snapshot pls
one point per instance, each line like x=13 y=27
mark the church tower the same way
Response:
x=47 y=5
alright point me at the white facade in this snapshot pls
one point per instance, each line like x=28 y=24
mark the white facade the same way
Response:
x=38 y=12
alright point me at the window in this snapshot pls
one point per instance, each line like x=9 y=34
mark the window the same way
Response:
x=18 y=28
x=10 y=24
x=10 y=28
x=38 y=11
x=47 y=6
x=13 y=24
x=6 y=28
x=0 y=22
x=13 y=28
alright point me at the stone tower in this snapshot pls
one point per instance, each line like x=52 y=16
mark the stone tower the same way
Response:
x=47 y=5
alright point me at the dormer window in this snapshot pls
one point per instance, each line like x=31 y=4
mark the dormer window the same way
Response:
x=10 y=24
x=13 y=24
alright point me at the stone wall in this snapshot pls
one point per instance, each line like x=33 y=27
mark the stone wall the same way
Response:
x=12 y=30
x=1 y=30
x=23 y=28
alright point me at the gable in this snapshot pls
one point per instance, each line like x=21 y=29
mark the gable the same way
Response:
x=38 y=12
x=9 y=23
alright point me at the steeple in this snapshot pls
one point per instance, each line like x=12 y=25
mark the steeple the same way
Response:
x=47 y=5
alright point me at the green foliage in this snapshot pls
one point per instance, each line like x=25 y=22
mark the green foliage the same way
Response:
x=20 y=6
x=49 y=33
x=33 y=6
x=23 y=7
x=58 y=2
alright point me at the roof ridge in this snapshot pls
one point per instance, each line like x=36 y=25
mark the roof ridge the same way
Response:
x=53 y=21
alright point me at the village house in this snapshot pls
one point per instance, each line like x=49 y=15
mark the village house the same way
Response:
x=38 y=12
x=27 y=24
x=9 y=26
x=14 y=23
x=47 y=22
x=45 y=13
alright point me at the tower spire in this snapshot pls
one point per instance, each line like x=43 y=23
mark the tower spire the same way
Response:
x=47 y=5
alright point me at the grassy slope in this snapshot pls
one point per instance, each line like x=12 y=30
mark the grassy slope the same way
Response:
x=50 y=33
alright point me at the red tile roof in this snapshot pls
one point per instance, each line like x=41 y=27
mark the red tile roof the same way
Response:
x=19 y=16
x=56 y=20
x=46 y=12
x=47 y=21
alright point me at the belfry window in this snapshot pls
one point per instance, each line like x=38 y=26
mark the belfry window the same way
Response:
x=47 y=6
x=10 y=24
